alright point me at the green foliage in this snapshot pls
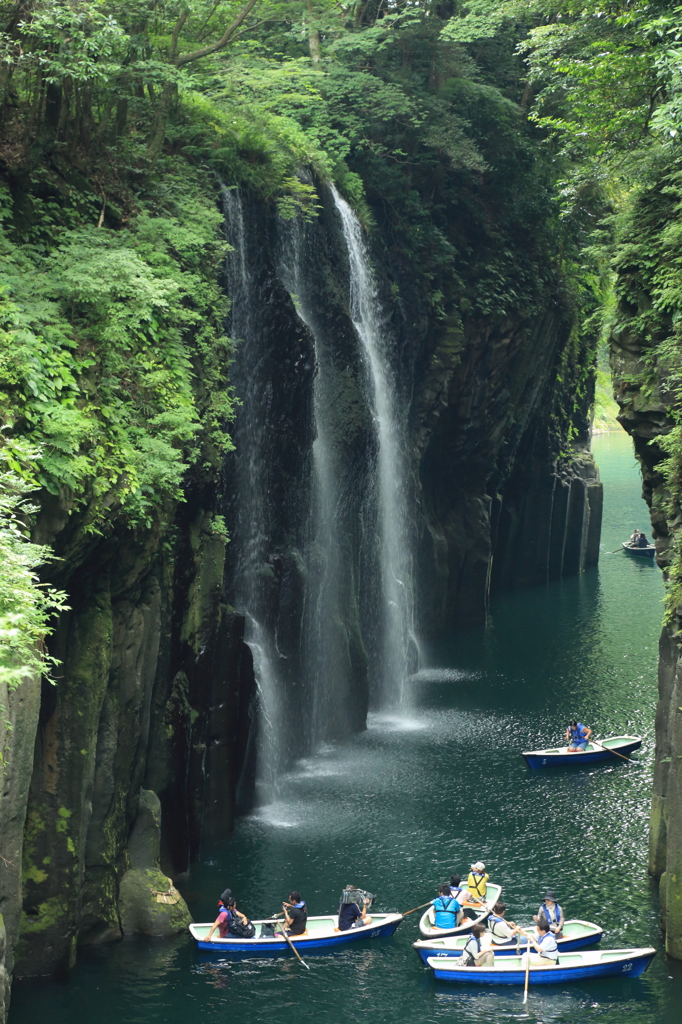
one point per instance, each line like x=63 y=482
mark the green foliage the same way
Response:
x=100 y=335
x=26 y=605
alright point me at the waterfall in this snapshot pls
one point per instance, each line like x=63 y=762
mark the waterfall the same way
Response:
x=390 y=410
x=323 y=604
x=318 y=486
x=252 y=527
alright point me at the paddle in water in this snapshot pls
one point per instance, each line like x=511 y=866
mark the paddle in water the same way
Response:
x=294 y=949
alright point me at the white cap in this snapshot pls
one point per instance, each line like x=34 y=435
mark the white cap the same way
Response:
x=478 y=866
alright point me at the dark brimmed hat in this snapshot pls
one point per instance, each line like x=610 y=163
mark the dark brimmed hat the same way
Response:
x=225 y=896
x=549 y=895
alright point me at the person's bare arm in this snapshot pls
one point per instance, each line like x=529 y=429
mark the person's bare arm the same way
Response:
x=213 y=928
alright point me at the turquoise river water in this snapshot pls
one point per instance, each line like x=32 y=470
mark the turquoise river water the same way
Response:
x=402 y=806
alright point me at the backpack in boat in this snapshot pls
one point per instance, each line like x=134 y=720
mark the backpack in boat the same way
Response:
x=241 y=930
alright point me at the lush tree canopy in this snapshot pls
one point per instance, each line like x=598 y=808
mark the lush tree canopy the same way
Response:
x=488 y=140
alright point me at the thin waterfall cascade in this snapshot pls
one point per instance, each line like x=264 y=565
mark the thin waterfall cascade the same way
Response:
x=334 y=658
x=257 y=489
x=390 y=412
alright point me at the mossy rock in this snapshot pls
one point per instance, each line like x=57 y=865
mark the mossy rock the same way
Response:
x=141 y=914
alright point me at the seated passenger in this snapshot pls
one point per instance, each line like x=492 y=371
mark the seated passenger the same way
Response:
x=448 y=910
x=456 y=888
x=227 y=911
x=545 y=945
x=473 y=954
x=477 y=882
x=350 y=915
x=642 y=542
x=634 y=539
x=461 y=895
x=577 y=736
x=502 y=931
x=295 y=914
x=552 y=913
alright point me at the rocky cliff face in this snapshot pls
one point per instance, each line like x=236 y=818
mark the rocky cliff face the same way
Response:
x=645 y=405
x=156 y=696
x=501 y=504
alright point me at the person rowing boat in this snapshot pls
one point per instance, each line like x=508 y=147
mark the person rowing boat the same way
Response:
x=577 y=736
x=295 y=915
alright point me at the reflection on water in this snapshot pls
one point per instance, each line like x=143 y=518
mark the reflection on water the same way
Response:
x=402 y=806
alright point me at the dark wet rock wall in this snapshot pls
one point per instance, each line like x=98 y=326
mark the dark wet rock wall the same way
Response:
x=646 y=412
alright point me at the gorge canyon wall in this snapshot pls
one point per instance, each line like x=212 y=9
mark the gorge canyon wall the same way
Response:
x=176 y=643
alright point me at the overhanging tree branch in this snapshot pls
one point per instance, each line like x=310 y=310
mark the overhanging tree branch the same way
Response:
x=205 y=51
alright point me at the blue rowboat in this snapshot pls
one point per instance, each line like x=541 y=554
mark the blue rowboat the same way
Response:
x=605 y=750
x=576 y=935
x=482 y=911
x=648 y=552
x=627 y=963
x=321 y=936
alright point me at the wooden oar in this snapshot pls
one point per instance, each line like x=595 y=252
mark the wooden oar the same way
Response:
x=525 y=990
x=295 y=950
x=628 y=759
x=414 y=909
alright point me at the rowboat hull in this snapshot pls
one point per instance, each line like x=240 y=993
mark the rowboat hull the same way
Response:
x=429 y=931
x=577 y=935
x=647 y=552
x=630 y=963
x=321 y=937
x=558 y=756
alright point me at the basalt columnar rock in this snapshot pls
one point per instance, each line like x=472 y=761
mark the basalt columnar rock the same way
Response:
x=643 y=359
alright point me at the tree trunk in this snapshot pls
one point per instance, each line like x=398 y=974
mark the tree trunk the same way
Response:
x=155 y=144
x=313 y=34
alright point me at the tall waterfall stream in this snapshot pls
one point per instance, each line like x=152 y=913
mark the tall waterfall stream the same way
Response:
x=372 y=504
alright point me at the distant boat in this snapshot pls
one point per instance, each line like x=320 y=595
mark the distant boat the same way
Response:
x=629 y=963
x=483 y=910
x=648 y=552
x=321 y=936
x=605 y=750
x=576 y=935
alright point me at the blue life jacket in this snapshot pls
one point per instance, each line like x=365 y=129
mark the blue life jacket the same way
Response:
x=579 y=734
x=449 y=906
x=492 y=921
x=548 y=946
x=299 y=905
x=467 y=952
x=548 y=911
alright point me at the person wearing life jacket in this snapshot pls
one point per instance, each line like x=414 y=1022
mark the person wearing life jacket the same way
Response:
x=448 y=909
x=295 y=914
x=577 y=736
x=634 y=539
x=473 y=953
x=502 y=931
x=552 y=913
x=642 y=542
x=545 y=945
x=477 y=882
x=227 y=911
